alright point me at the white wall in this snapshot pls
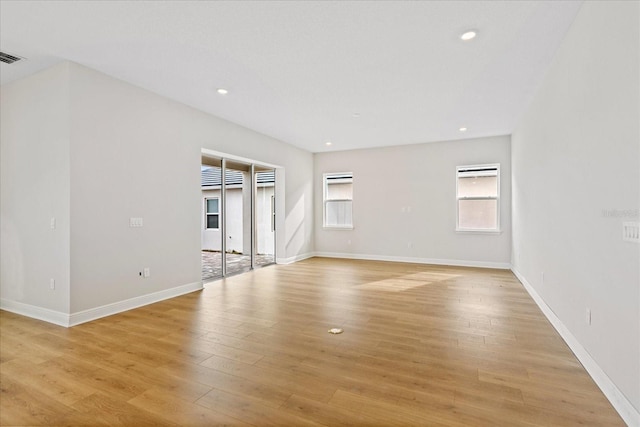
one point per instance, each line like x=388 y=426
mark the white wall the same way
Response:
x=34 y=153
x=132 y=154
x=404 y=203
x=147 y=152
x=576 y=153
x=234 y=201
x=211 y=238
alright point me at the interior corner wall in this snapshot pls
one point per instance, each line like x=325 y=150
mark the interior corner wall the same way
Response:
x=137 y=154
x=92 y=152
x=404 y=203
x=35 y=188
x=576 y=179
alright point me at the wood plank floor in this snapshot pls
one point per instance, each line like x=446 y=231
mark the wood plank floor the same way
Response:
x=422 y=346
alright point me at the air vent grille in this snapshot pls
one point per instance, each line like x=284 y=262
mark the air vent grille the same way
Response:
x=8 y=59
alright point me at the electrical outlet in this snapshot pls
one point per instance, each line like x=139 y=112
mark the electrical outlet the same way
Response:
x=587 y=317
x=146 y=272
x=52 y=224
x=52 y=284
x=542 y=277
x=409 y=245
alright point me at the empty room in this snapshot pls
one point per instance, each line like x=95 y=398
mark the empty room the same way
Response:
x=320 y=213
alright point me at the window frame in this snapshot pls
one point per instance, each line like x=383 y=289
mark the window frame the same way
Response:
x=325 y=186
x=207 y=213
x=496 y=230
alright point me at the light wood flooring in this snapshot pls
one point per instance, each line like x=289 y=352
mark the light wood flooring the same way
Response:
x=236 y=263
x=422 y=346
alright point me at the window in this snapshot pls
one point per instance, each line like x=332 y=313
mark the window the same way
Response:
x=338 y=200
x=478 y=198
x=212 y=213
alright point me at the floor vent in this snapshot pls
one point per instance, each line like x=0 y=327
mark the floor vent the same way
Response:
x=9 y=59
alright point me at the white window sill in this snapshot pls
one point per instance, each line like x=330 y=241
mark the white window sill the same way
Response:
x=468 y=231
x=333 y=227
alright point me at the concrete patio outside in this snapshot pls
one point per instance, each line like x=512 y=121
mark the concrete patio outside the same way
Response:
x=236 y=263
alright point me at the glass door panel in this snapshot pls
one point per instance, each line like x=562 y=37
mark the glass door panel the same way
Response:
x=265 y=217
x=238 y=238
x=211 y=176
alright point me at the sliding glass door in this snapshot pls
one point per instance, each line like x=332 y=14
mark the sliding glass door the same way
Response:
x=238 y=232
x=237 y=206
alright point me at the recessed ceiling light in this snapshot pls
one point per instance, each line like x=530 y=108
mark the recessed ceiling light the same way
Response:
x=356 y=115
x=222 y=91
x=463 y=129
x=468 y=35
x=328 y=143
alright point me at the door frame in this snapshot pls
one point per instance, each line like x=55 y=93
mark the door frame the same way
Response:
x=279 y=243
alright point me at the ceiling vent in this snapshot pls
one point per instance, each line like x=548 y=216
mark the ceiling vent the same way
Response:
x=8 y=59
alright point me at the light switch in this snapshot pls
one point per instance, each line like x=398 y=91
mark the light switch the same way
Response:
x=136 y=222
x=631 y=232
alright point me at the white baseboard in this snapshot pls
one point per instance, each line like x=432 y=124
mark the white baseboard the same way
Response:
x=56 y=317
x=453 y=262
x=296 y=258
x=627 y=411
x=67 y=320
x=129 y=304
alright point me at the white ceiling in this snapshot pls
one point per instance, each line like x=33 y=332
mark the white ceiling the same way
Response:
x=298 y=71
